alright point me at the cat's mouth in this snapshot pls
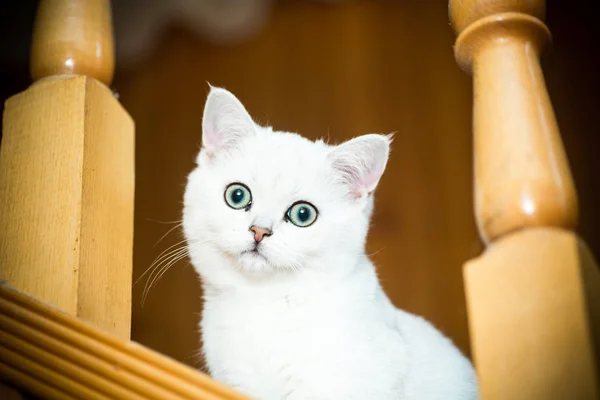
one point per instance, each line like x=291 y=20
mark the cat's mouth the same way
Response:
x=255 y=252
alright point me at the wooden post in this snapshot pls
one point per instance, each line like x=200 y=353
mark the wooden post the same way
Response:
x=534 y=295
x=67 y=172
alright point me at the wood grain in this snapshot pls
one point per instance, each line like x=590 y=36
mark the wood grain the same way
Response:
x=51 y=353
x=107 y=203
x=66 y=199
x=533 y=331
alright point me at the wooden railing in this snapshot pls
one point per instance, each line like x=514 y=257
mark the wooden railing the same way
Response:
x=66 y=218
x=56 y=356
x=67 y=172
x=534 y=295
x=66 y=212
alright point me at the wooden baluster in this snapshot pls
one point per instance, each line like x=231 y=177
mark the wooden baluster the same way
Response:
x=73 y=37
x=534 y=295
x=67 y=172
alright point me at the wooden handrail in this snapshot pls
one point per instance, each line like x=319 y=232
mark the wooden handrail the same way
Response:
x=73 y=37
x=57 y=356
x=67 y=172
x=527 y=297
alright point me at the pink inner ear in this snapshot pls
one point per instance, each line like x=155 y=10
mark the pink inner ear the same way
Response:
x=225 y=121
x=359 y=185
x=370 y=180
x=360 y=164
x=362 y=186
x=210 y=141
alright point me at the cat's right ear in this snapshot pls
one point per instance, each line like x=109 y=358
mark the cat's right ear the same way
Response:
x=225 y=122
x=360 y=162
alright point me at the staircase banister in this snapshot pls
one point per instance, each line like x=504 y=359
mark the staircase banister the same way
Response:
x=530 y=295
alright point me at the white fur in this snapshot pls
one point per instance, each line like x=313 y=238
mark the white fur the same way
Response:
x=306 y=319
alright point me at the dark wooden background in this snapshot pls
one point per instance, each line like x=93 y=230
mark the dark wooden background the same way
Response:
x=338 y=70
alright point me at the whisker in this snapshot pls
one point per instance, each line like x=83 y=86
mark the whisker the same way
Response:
x=157 y=266
x=168 y=258
x=168 y=266
x=158 y=273
x=164 y=222
x=169 y=231
x=376 y=252
x=175 y=259
x=161 y=256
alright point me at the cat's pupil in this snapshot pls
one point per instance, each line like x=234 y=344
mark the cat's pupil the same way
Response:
x=303 y=214
x=237 y=196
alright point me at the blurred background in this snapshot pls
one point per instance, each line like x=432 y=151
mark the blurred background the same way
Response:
x=324 y=68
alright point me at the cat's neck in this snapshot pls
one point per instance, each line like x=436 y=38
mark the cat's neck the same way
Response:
x=355 y=271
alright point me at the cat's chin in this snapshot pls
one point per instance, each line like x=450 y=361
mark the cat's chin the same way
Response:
x=254 y=262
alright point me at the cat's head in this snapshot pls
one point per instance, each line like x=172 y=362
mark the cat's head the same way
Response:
x=262 y=202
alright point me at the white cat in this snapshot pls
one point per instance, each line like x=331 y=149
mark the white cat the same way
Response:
x=293 y=310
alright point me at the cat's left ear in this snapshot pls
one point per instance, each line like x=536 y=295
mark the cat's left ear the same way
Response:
x=360 y=163
x=225 y=122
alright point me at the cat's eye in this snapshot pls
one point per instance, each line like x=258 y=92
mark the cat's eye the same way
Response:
x=302 y=214
x=238 y=196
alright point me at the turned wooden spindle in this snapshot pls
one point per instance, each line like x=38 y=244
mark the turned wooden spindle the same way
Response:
x=522 y=176
x=73 y=37
x=67 y=172
x=533 y=295
x=465 y=12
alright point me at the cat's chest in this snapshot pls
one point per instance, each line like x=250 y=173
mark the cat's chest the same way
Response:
x=263 y=329
x=266 y=344
x=275 y=348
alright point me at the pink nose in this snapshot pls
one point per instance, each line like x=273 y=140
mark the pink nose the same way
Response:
x=260 y=233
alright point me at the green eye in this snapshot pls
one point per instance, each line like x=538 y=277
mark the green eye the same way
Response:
x=238 y=196
x=302 y=214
